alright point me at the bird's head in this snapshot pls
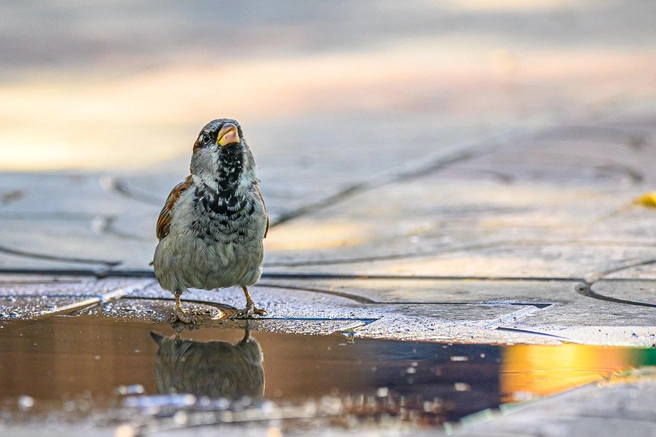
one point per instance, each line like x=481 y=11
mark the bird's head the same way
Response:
x=221 y=153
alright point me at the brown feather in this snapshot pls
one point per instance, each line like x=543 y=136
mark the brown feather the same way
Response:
x=164 y=219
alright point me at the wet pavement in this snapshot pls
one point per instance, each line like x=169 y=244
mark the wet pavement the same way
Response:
x=456 y=245
x=106 y=372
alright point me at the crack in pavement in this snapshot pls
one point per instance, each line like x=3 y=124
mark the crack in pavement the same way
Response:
x=360 y=322
x=584 y=288
x=634 y=175
x=365 y=300
x=354 y=297
x=383 y=257
x=515 y=316
x=464 y=248
x=613 y=134
x=119 y=186
x=591 y=279
x=327 y=276
x=136 y=273
x=427 y=164
x=612 y=168
x=110 y=229
x=21 y=253
x=48 y=216
x=417 y=168
x=538 y=333
x=115 y=294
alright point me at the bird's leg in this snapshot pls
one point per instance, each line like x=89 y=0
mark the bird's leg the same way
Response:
x=250 y=305
x=179 y=315
x=250 y=309
x=247 y=334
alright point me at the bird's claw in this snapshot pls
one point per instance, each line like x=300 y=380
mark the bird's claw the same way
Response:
x=180 y=327
x=248 y=312
x=180 y=316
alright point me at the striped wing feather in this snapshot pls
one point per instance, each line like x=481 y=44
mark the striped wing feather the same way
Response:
x=164 y=219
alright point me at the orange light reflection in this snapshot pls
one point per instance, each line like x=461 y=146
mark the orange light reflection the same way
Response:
x=538 y=370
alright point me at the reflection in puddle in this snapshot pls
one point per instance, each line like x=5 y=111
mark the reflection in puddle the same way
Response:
x=80 y=366
x=216 y=369
x=530 y=370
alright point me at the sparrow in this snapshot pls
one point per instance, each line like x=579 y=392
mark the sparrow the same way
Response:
x=211 y=227
x=216 y=369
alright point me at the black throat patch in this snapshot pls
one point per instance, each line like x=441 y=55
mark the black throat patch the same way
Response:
x=225 y=201
x=230 y=168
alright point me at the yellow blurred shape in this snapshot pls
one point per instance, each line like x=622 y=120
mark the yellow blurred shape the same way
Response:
x=648 y=199
x=545 y=370
x=315 y=236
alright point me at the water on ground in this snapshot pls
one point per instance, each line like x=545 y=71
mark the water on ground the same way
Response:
x=111 y=372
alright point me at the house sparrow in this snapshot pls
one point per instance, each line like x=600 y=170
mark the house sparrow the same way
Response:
x=216 y=369
x=211 y=228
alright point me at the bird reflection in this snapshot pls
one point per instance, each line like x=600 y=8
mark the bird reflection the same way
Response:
x=216 y=369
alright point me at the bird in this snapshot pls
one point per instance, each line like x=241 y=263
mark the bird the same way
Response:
x=216 y=369
x=212 y=225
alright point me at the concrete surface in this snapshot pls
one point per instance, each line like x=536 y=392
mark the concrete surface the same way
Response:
x=487 y=242
x=620 y=408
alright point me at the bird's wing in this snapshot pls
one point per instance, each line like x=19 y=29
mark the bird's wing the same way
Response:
x=164 y=219
x=259 y=193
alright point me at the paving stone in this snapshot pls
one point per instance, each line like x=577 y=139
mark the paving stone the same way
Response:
x=639 y=292
x=591 y=153
x=63 y=221
x=293 y=311
x=34 y=299
x=642 y=272
x=500 y=261
x=518 y=193
x=555 y=308
x=447 y=291
x=606 y=410
x=70 y=196
x=446 y=216
x=27 y=263
x=75 y=244
x=287 y=307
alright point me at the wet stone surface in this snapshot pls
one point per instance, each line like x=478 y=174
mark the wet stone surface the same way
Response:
x=87 y=361
x=117 y=373
x=622 y=406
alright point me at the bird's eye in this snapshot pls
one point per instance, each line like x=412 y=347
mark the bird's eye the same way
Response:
x=206 y=139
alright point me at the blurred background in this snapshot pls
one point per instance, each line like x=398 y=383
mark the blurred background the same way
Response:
x=111 y=94
x=128 y=84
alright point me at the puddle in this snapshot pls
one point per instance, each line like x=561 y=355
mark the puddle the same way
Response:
x=112 y=371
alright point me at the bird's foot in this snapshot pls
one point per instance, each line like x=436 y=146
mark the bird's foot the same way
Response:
x=248 y=312
x=180 y=327
x=181 y=316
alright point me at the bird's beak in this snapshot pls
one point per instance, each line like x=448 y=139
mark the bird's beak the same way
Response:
x=227 y=135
